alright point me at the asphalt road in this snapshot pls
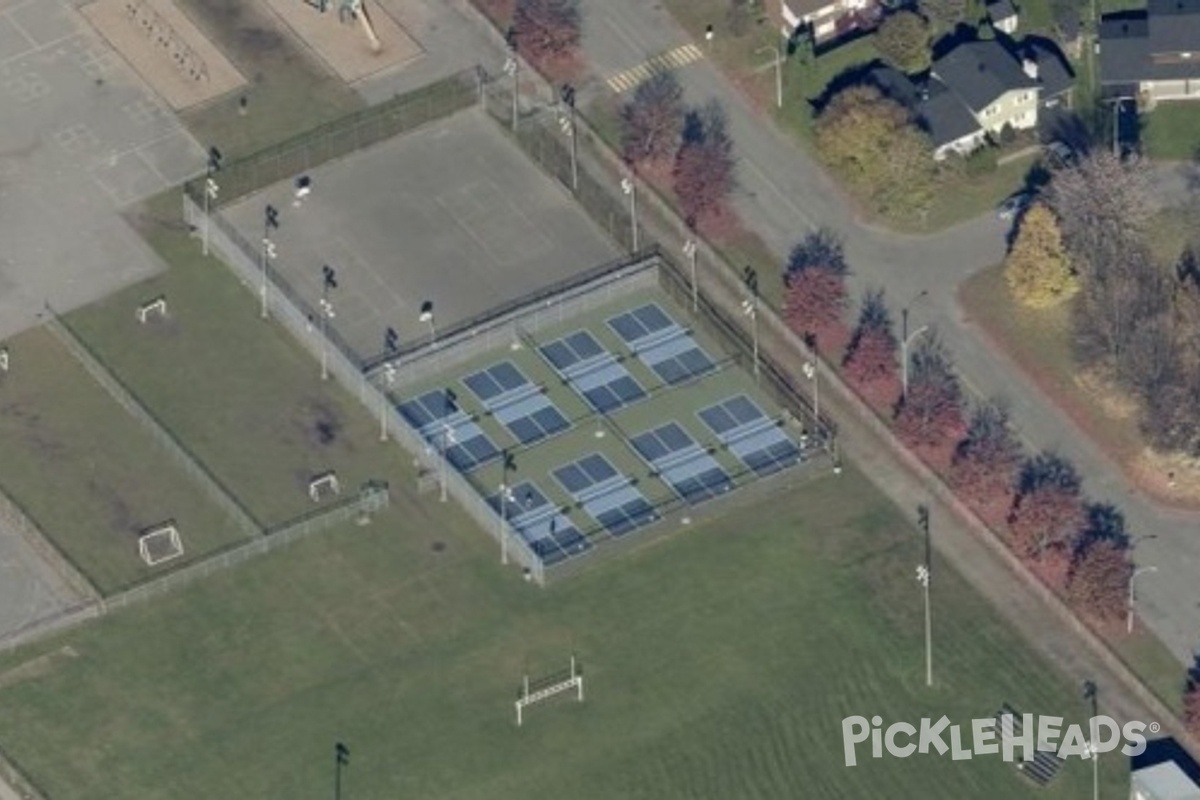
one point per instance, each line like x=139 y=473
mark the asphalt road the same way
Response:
x=783 y=194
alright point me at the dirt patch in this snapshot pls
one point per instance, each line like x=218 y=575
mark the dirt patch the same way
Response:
x=166 y=49
x=320 y=423
x=1113 y=402
x=354 y=48
x=1173 y=477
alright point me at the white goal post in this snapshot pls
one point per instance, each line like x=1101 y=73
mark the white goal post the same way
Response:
x=156 y=306
x=160 y=544
x=326 y=480
x=573 y=679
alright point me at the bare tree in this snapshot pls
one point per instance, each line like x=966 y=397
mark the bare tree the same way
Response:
x=547 y=31
x=1103 y=203
x=652 y=120
x=931 y=414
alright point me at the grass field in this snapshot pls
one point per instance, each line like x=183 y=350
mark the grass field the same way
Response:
x=1171 y=131
x=719 y=664
x=88 y=474
x=219 y=378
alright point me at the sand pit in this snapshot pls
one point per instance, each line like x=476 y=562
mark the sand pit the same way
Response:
x=344 y=46
x=165 y=48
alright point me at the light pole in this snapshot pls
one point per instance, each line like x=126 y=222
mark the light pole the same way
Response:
x=568 y=96
x=689 y=250
x=211 y=190
x=924 y=574
x=904 y=360
x=389 y=375
x=1091 y=692
x=328 y=282
x=750 y=309
x=341 y=758
x=448 y=440
x=778 y=51
x=512 y=67
x=811 y=371
x=427 y=317
x=507 y=464
x=1133 y=597
x=631 y=191
x=270 y=222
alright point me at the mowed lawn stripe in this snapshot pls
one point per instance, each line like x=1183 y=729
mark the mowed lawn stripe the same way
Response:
x=719 y=663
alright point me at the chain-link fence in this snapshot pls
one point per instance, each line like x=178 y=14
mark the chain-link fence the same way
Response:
x=341 y=137
x=125 y=398
x=370 y=499
x=14 y=518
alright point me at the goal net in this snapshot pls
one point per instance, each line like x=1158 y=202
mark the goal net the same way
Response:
x=160 y=545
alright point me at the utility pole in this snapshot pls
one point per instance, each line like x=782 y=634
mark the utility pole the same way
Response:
x=778 y=62
x=389 y=375
x=1133 y=597
x=341 y=758
x=507 y=465
x=750 y=309
x=1091 y=692
x=905 y=340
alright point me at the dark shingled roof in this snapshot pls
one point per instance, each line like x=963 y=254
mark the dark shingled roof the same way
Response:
x=1001 y=9
x=1148 y=45
x=980 y=72
x=942 y=115
x=1054 y=76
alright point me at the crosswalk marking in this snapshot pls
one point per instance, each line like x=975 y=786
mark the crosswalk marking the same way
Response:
x=678 y=57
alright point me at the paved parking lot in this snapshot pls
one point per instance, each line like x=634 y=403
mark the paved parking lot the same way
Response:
x=453 y=214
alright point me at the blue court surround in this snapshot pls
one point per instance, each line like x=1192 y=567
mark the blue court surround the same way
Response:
x=593 y=372
x=608 y=496
x=750 y=435
x=689 y=469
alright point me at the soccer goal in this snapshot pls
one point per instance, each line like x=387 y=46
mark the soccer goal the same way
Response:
x=156 y=306
x=160 y=544
x=545 y=688
x=325 y=483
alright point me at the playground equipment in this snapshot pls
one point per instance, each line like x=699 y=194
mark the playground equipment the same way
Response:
x=352 y=10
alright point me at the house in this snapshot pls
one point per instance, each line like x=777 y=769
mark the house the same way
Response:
x=998 y=88
x=828 y=20
x=1164 y=781
x=977 y=89
x=1003 y=15
x=1153 y=54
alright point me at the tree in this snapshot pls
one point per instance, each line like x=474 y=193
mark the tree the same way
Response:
x=1036 y=268
x=1103 y=205
x=904 y=42
x=1191 y=700
x=1171 y=392
x=1098 y=581
x=547 y=32
x=1048 y=512
x=703 y=172
x=931 y=415
x=652 y=120
x=871 y=357
x=985 y=462
x=944 y=14
x=815 y=284
x=872 y=141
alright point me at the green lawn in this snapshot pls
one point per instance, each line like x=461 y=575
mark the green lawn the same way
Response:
x=1171 y=132
x=89 y=475
x=219 y=377
x=289 y=89
x=719 y=664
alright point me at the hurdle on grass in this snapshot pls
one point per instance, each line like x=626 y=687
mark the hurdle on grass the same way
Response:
x=159 y=544
x=156 y=306
x=573 y=679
